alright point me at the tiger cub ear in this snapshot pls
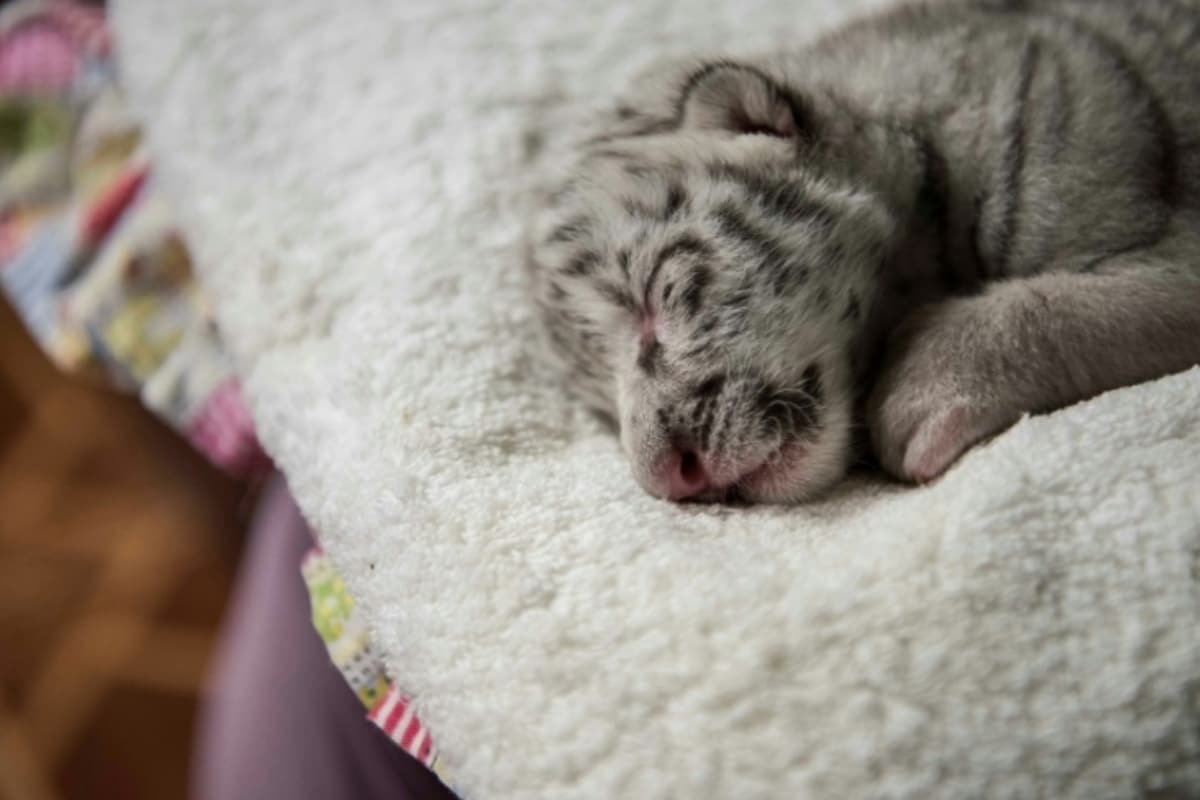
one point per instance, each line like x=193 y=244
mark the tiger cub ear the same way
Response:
x=735 y=97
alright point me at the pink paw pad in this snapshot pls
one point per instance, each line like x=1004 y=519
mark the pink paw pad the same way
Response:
x=938 y=443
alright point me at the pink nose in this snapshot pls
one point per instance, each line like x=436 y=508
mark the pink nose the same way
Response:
x=685 y=476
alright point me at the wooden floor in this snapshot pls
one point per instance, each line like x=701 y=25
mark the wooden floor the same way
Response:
x=118 y=546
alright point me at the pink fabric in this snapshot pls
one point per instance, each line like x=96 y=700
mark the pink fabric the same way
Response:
x=85 y=25
x=224 y=431
x=36 y=58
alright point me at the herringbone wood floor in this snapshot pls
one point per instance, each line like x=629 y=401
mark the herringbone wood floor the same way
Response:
x=118 y=546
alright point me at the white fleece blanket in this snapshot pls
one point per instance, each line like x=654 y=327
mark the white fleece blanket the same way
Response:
x=350 y=176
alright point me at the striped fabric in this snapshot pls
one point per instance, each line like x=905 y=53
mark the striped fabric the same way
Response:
x=395 y=717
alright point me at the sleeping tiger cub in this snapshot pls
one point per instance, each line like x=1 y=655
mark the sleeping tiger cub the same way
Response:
x=922 y=226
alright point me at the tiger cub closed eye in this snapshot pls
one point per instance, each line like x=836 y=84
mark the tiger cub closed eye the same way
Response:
x=932 y=222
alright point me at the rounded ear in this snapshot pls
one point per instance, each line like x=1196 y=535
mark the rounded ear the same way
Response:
x=736 y=97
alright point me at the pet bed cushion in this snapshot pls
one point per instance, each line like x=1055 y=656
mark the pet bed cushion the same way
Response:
x=350 y=178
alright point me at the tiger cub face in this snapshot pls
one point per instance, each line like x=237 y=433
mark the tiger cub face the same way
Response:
x=704 y=275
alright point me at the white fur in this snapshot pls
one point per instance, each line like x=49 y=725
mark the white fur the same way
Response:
x=350 y=181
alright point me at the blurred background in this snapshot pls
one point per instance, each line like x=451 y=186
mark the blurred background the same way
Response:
x=128 y=467
x=118 y=545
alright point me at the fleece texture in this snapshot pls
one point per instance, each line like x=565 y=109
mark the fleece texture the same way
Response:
x=350 y=176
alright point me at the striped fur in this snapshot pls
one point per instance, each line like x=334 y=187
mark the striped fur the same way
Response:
x=731 y=259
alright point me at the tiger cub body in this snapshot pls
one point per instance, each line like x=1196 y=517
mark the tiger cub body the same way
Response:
x=932 y=221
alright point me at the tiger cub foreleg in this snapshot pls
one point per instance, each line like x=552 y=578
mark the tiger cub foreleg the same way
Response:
x=965 y=369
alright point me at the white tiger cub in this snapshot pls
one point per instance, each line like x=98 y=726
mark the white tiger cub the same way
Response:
x=932 y=222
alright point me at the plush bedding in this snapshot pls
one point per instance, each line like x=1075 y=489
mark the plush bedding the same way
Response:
x=351 y=184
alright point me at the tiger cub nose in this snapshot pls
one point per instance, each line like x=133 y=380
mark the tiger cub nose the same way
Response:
x=684 y=475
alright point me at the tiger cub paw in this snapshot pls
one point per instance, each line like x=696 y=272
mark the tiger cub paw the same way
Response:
x=936 y=398
x=938 y=441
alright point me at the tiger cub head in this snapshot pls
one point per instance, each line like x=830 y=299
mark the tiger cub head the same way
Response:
x=705 y=273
